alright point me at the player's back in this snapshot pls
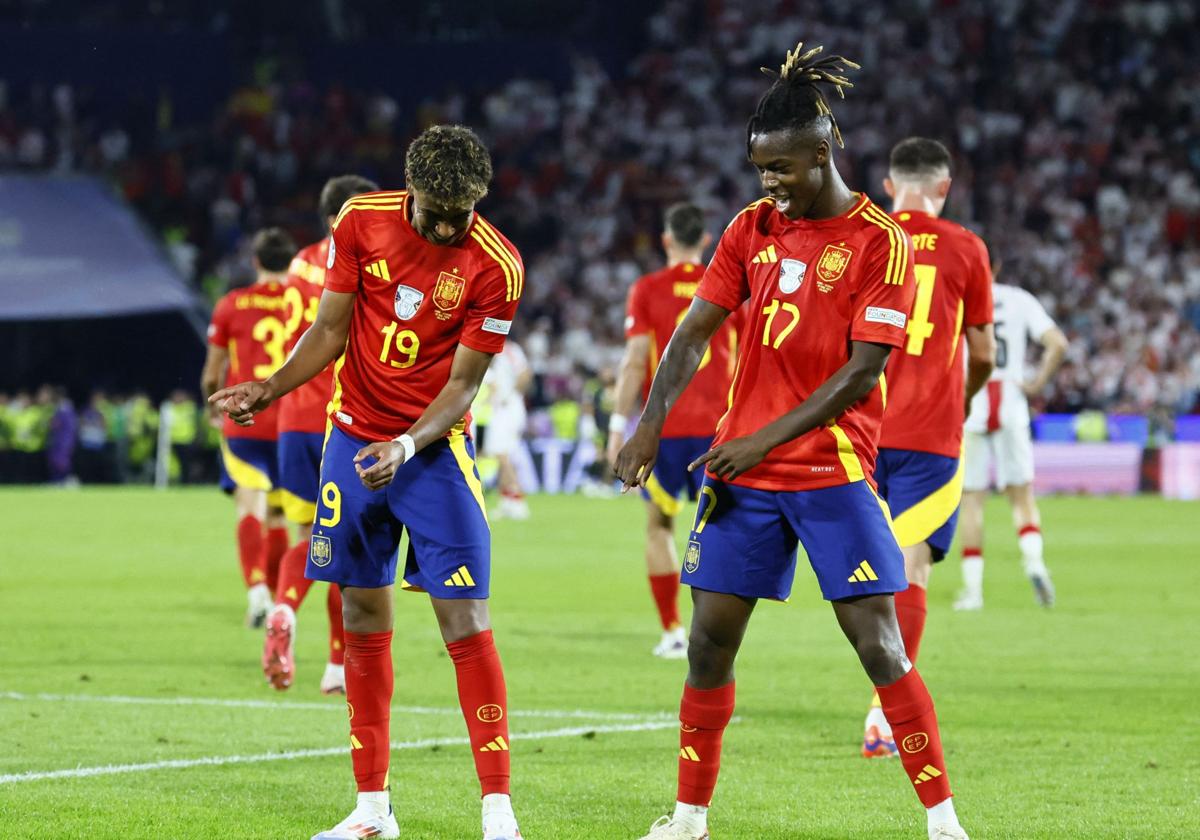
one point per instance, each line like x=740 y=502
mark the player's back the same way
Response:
x=305 y=409
x=657 y=303
x=250 y=323
x=925 y=378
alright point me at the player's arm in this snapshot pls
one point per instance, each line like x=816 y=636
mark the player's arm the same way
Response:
x=448 y=408
x=1054 y=341
x=216 y=363
x=630 y=378
x=675 y=370
x=849 y=384
x=981 y=359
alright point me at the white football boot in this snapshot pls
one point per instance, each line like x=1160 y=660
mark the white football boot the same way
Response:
x=258 y=604
x=665 y=828
x=334 y=679
x=366 y=820
x=674 y=644
x=947 y=832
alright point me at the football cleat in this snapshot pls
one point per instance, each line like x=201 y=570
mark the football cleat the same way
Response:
x=968 y=601
x=1043 y=589
x=942 y=831
x=279 y=659
x=500 y=827
x=334 y=679
x=513 y=508
x=665 y=828
x=878 y=745
x=674 y=644
x=258 y=604
x=364 y=821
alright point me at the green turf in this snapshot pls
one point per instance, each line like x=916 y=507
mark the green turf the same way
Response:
x=1071 y=723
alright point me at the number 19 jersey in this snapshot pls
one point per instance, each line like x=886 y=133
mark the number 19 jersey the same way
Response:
x=415 y=303
x=250 y=324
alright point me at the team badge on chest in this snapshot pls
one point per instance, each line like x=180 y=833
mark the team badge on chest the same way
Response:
x=408 y=301
x=832 y=265
x=791 y=275
x=448 y=293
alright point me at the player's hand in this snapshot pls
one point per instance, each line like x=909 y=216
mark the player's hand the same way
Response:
x=241 y=402
x=389 y=456
x=732 y=458
x=635 y=460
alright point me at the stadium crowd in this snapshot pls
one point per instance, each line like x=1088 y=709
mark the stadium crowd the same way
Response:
x=1086 y=194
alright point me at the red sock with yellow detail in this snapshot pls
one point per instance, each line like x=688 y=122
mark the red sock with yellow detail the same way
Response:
x=369 y=683
x=250 y=550
x=484 y=701
x=703 y=716
x=337 y=639
x=275 y=547
x=293 y=585
x=909 y=710
x=665 y=589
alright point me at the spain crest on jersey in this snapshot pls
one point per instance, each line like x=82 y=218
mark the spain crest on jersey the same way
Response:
x=448 y=293
x=832 y=265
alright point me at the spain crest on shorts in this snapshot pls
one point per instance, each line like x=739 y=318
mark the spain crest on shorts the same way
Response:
x=832 y=265
x=691 y=557
x=448 y=293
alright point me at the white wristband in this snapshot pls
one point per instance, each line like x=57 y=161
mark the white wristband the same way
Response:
x=617 y=423
x=406 y=442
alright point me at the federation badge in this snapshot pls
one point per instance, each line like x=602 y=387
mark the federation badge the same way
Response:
x=448 y=293
x=332 y=253
x=490 y=713
x=691 y=558
x=791 y=275
x=320 y=551
x=832 y=266
x=915 y=743
x=408 y=300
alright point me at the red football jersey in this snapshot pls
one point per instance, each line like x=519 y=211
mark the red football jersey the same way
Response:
x=416 y=303
x=925 y=379
x=814 y=286
x=306 y=409
x=656 y=305
x=250 y=323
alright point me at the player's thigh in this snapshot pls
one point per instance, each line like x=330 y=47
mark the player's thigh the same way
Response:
x=1014 y=456
x=354 y=536
x=439 y=498
x=300 y=475
x=976 y=461
x=848 y=536
x=924 y=491
x=740 y=544
x=504 y=433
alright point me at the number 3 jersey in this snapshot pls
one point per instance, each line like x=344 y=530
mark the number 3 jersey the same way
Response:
x=814 y=286
x=926 y=392
x=251 y=324
x=416 y=302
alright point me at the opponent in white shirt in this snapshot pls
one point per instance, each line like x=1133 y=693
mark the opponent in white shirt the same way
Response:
x=997 y=432
x=506 y=381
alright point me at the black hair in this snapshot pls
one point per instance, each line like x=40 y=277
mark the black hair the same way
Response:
x=797 y=100
x=274 y=249
x=919 y=156
x=685 y=223
x=337 y=191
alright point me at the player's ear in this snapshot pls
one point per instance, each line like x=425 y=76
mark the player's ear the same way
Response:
x=889 y=187
x=667 y=241
x=822 y=152
x=706 y=240
x=943 y=187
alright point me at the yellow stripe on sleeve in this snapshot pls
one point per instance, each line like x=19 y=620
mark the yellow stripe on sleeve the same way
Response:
x=898 y=255
x=490 y=233
x=486 y=246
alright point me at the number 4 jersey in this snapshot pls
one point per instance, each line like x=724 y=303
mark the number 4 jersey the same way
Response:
x=251 y=324
x=926 y=392
x=416 y=302
x=814 y=286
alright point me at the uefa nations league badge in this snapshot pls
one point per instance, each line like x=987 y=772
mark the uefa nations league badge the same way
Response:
x=791 y=275
x=408 y=300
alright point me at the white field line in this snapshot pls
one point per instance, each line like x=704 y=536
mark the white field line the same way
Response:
x=562 y=714
x=219 y=760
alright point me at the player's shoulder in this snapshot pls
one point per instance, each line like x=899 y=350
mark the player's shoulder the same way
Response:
x=754 y=216
x=384 y=202
x=489 y=238
x=497 y=256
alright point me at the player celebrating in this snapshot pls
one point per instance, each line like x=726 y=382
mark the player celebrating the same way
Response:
x=998 y=425
x=830 y=282
x=246 y=338
x=918 y=471
x=302 y=419
x=419 y=295
x=657 y=302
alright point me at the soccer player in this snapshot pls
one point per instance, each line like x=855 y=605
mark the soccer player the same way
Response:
x=420 y=292
x=918 y=471
x=830 y=282
x=303 y=415
x=504 y=389
x=656 y=304
x=997 y=430
x=246 y=338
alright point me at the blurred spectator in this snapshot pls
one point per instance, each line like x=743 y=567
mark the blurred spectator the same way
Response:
x=97 y=453
x=62 y=432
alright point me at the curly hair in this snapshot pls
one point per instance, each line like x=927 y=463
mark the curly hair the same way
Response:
x=450 y=164
x=796 y=100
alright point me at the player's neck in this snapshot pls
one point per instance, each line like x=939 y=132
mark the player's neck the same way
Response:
x=916 y=201
x=834 y=199
x=675 y=258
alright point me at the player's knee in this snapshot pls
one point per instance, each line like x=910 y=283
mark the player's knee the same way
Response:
x=883 y=659
x=709 y=663
x=365 y=611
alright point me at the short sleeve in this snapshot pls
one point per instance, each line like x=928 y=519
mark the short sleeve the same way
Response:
x=881 y=304
x=1039 y=319
x=977 y=296
x=218 y=328
x=637 y=318
x=490 y=313
x=725 y=281
x=341 y=266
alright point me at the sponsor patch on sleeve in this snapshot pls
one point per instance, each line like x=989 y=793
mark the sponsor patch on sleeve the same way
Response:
x=495 y=325
x=880 y=315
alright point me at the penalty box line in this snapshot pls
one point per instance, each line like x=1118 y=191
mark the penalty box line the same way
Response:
x=565 y=714
x=291 y=755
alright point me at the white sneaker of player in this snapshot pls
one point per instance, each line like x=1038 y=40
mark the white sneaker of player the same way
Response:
x=666 y=828
x=947 y=832
x=258 y=604
x=499 y=823
x=334 y=679
x=1043 y=588
x=674 y=644
x=368 y=819
x=513 y=508
x=968 y=601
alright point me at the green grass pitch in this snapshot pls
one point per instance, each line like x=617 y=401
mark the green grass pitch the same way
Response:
x=1077 y=722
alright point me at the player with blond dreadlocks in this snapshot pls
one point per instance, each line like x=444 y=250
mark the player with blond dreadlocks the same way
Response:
x=830 y=282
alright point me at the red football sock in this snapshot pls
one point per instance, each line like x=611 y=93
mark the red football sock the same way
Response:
x=369 y=697
x=337 y=639
x=909 y=709
x=1028 y=529
x=250 y=549
x=665 y=589
x=293 y=585
x=910 y=613
x=276 y=546
x=703 y=716
x=484 y=701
